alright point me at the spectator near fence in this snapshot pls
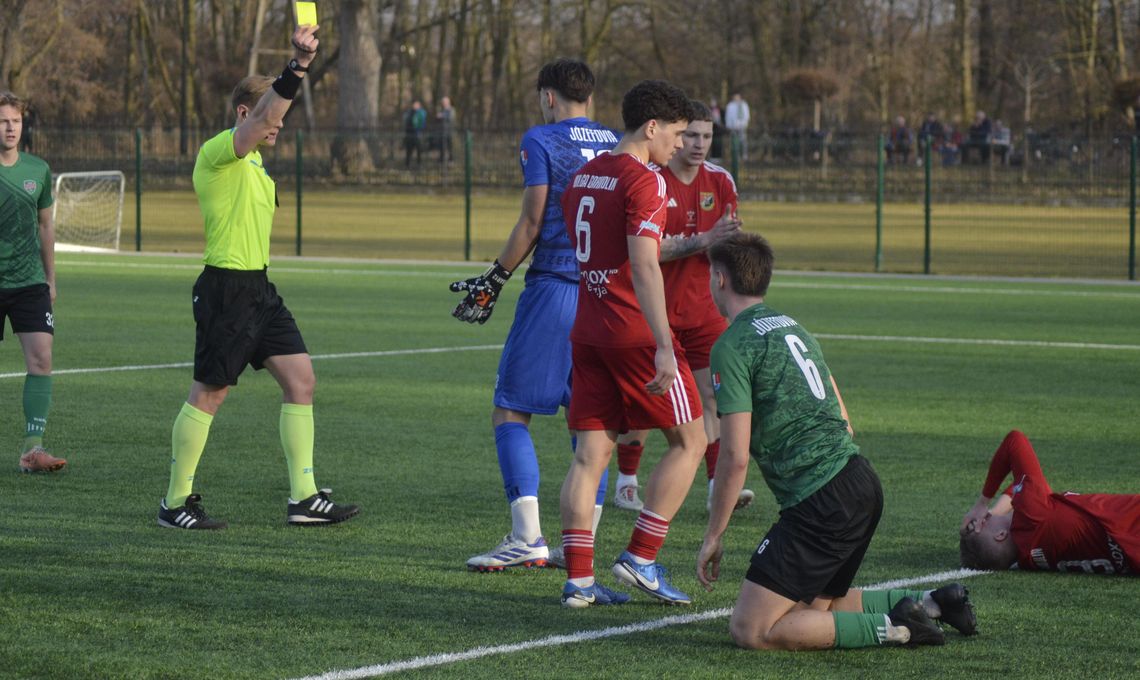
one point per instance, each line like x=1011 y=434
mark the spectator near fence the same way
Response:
x=900 y=142
x=736 y=116
x=980 y=137
x=1002 y=141
x=415 y=120
x=446 y=119
x=931 y=129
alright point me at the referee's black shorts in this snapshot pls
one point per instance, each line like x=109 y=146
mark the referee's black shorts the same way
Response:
x=239 y=319
x=817 y=545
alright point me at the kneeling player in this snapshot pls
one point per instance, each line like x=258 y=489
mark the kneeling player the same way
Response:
x=777 y=400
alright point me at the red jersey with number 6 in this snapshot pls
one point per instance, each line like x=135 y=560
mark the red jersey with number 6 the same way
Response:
x=693 y=209
x=609 y=198
x=1094 y=533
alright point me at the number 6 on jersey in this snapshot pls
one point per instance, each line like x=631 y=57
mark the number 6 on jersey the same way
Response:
x=582 y=228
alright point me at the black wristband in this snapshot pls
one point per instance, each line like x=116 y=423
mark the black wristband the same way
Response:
x=287 y=84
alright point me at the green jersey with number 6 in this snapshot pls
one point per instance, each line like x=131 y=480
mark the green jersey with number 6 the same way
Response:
x=768 y=365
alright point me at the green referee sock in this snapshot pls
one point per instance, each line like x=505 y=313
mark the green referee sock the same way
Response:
x=297 y=440
x=37 y=403
x=883 y=601
x=187 y=441
x=854 y=630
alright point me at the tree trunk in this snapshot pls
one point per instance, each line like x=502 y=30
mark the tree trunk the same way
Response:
x=965 y=59
x=358 y=84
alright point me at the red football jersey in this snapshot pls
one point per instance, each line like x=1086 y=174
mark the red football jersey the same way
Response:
x=610 y=198
x=1096 y=533
x=693 y=209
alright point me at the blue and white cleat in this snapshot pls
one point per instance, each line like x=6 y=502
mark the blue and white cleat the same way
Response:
x=578 y=597
x=511 y=553
x=649 y=579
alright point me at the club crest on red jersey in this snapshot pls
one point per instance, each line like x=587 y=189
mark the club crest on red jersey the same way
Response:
x=30 y=186
x=708 y=200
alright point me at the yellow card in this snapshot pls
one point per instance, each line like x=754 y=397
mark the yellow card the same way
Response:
x=306 y=13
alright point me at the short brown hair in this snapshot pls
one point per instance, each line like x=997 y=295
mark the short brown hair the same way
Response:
x=10 y=99
x=249 y=90
x=980 y=551
x=698 y=112
x=748 y=260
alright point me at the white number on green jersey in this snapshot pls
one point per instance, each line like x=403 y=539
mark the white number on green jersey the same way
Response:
x=811 y=373
x=582 y=228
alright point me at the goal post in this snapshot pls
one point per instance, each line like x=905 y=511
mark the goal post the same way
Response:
x=88 y=210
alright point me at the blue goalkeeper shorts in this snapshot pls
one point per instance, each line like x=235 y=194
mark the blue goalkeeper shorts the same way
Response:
x=534 y=370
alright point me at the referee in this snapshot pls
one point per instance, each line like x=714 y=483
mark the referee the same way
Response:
x=239 y=317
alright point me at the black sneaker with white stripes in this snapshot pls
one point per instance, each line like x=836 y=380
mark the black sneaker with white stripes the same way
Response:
x=190 y=516
x=319 y=509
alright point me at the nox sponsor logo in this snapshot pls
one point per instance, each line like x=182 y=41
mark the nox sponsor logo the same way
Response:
x=597 y=280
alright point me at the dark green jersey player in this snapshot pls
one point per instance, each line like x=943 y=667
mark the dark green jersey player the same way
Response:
x=27 y=275
x=239 y=318
x=778 y=402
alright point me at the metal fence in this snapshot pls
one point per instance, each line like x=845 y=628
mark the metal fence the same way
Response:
x=1043 y=206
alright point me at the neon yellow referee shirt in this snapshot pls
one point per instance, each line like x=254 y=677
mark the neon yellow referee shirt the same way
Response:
x=237 y=198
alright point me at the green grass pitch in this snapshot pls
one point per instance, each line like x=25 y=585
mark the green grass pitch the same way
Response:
x=91 y=587
x=967 y=238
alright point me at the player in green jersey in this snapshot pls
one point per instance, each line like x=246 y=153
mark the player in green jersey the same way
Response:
x=778 y=402
x=240 y=319
x=27 y=275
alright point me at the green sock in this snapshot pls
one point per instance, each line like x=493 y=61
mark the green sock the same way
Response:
x=883 y=601
x=854 y=630
x=191 y=428
x=37 y=403
x=297 y=440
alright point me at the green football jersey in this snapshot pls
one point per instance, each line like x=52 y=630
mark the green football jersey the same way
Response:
x=768 y=365
x=237 y=198
x=25 y=189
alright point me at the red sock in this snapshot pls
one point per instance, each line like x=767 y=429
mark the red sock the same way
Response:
x=712 y=452
x=648 y=535
x=629 y=458
x=578 y=547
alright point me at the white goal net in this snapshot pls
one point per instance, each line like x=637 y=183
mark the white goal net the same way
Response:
x=88 y=210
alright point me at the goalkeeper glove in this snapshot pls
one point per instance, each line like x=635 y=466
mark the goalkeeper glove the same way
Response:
x=482 y=292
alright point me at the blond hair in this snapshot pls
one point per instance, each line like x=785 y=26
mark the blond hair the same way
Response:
x=249 y=90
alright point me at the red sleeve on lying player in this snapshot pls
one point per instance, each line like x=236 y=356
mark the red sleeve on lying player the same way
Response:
x=1030 y=489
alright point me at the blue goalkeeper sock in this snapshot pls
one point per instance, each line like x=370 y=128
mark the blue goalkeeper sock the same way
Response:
x=518 y=462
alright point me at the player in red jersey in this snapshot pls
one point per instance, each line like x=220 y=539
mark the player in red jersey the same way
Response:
x=628 y=372
x=1038 y=529
x=701 y=212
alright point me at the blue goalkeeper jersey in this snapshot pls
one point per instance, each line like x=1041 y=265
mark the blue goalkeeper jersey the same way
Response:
x=550 y=155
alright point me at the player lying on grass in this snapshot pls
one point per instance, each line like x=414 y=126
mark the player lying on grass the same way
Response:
x=1032 y=527
x=701 y=211
x=777 y=402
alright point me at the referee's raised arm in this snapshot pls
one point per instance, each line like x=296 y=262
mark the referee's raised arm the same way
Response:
x=266 y=116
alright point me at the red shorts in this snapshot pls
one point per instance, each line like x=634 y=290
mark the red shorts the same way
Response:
x=699 y=340
x=608 y=390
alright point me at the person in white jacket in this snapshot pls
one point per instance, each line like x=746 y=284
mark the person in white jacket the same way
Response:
x=736 y=115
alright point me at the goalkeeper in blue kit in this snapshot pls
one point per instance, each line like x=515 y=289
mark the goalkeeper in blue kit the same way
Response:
x=534 y=370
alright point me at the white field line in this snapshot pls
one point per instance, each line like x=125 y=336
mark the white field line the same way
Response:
x=315 y=357
x=992 y=342
x=885 y=287
x=587 y=635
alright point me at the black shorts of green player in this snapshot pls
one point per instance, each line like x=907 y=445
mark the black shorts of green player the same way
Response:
x=28 y=309
x=817 y=545
x=239 y=320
